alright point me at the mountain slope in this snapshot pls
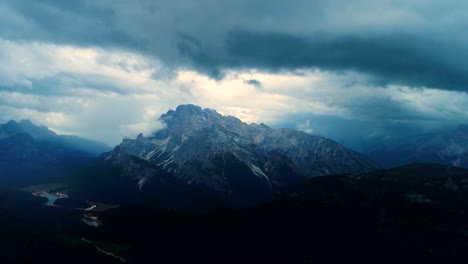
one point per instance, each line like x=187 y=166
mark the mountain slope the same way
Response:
x=45 y=135
x=417 y=210
x=32 y=154
x=450 y=148
x=242 y=164
x=127 y=179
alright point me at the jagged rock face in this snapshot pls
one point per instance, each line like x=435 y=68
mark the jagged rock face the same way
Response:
x=225 y=155
x=316 y=156
x=125 y=179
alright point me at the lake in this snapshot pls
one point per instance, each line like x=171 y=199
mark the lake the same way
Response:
x=51 y=198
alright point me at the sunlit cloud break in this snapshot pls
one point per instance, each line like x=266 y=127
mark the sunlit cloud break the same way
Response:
x=316 y=66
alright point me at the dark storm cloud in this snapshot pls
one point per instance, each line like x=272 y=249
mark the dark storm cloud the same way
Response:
x=67 y=84
x=416 y=43
x=396 y=59
x=365 y=135
x=69 y=22
x=256 y=83
x=387 y=109
x=203 y=58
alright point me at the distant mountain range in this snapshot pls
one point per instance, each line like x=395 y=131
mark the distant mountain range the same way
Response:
x=307 y=196
x=30 y=153
x=450 y=148
x=205 y=158
x=43 y=134
x=241 y=164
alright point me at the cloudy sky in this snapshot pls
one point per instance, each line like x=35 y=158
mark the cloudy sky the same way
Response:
x=350 y=70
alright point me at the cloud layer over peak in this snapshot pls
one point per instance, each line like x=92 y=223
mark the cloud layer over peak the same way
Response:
x=415 y=43
x=93 y=67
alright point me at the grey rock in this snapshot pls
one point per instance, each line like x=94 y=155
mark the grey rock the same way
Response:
x=225 y=155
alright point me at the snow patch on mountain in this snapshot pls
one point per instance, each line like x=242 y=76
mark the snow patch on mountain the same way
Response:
x=141 y=182
x=203 y=148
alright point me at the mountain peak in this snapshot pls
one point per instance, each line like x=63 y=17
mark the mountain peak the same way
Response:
x=190 y=117
x=235 y=160
x=26 y=130
x=12 y=127
x=26 y=122
x=11 y=123
x=188 y=109
x=26 y=126
x=193 y=110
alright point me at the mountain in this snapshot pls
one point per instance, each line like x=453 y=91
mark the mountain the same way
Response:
x=418 y=210
x=30 y=153
x=130 y=180
x=45 y=135
x=450 y=148
x=241 y=164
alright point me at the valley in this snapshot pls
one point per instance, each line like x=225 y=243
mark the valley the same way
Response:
x=220 y=187
x=233 y=131
x=49 y=191
x=413 y=210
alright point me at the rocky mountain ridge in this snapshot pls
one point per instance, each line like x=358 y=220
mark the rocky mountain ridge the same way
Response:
x=238 y=161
